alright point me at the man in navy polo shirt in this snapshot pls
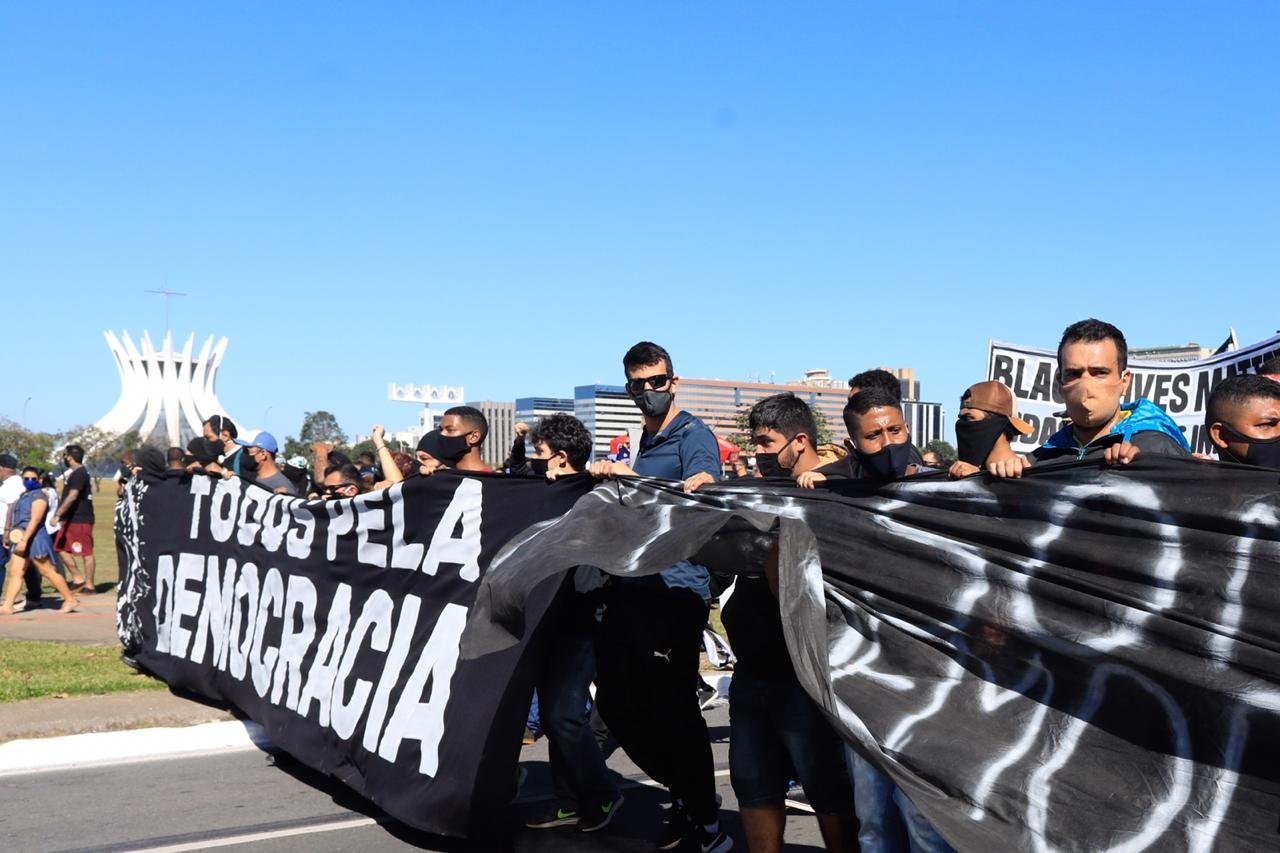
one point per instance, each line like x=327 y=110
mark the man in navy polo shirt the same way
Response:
x=651 y=632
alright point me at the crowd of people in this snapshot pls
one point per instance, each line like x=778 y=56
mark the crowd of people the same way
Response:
x=638 y=639
x=646 y=639
x=46 y=537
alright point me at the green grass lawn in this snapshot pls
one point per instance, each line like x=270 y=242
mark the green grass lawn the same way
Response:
x=107 y=570
x=29 y=670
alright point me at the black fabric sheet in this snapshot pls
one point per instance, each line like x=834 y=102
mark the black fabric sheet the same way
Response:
x=1087 y=658
x=336 y=626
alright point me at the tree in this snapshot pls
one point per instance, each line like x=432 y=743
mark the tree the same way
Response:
x=393 y=445
x=102 y=449
x=316 y=426
x=946 y=453
x=31 y=448
x=824 y=431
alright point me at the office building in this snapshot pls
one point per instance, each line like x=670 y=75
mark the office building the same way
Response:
x=502 y=430
x=530 y=410
x=718 y=403
x=926 y=421
x=907 y=380
x=606 y=411
x=1184 y=352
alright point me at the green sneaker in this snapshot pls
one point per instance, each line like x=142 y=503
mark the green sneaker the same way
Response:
x=553 y=816
x=598 y=817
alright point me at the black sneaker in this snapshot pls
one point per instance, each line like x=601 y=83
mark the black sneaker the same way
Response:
x=598 y=817
x=676 y=829
x=553 y=816
x=714 y=842
x=706 y=695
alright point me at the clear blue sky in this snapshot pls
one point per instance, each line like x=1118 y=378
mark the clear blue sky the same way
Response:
x=506 y=196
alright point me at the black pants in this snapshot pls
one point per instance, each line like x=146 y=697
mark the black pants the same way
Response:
x=646 y=688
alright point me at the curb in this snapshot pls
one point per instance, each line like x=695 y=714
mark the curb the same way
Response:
x=36 y=755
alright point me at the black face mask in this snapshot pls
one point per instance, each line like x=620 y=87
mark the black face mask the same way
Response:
x=888 y=463
x=539 y=466
x=248 y=465
x=1263 y=452
x=769 y=466
x=976 y=439
x=204 y=450
x=654 y=404
x=448 y=449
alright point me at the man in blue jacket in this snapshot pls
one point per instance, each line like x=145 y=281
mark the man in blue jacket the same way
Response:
x=649 y=637
x=1093 y=373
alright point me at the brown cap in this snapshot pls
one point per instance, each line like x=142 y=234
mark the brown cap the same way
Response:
x=995 y=398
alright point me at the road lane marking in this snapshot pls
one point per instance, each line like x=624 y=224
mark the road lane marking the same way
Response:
x=327 y=826
x=251 y=837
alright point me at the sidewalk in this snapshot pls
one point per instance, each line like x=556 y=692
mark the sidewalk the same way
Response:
x=49 y=717
x=93 y=624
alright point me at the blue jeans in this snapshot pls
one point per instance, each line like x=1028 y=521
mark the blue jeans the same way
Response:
x=533 y=723
x=889 y=822
x=578 y=771
x=776 y=733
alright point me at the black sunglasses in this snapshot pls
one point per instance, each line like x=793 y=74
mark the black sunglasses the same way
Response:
x=333 y=490
x=636 y=386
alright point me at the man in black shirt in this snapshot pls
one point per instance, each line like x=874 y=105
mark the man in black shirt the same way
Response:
x=220 y=431
x=75 y=517
x=586 y=795
x=888 y=820
x=879 y=441
x=773 y=724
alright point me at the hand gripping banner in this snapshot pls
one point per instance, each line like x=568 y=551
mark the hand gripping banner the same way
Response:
x=335 y=625
x=1087 y=658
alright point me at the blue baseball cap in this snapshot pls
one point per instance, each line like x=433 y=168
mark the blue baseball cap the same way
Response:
x=263 y=441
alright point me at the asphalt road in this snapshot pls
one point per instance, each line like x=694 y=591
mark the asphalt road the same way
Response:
x=248 y=800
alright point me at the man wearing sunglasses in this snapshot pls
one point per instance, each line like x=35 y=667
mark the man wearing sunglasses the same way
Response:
x=649 y=637
x=341 y=481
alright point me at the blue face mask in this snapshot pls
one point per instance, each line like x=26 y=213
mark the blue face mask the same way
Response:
x=31 y=485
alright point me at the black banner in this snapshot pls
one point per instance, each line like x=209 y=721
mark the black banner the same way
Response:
x=1086 y=658
x=336 y=625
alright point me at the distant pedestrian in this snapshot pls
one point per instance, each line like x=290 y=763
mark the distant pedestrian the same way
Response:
x=75 y=519
x=30 y=541
x=11 y=489
x=125 y=472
